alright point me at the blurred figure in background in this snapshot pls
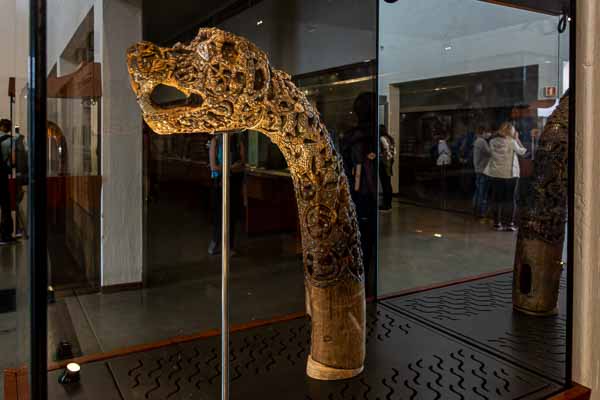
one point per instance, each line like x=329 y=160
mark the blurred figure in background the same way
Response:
x=6 y=165
x=359 y=153
x=481 y=158
x=444 y=154
x=503 y=170
x=387 y=152
x=237 y=168
x=21 y=181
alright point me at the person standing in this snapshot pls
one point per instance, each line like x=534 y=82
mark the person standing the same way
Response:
x=237 y=168
x=503 y=169
x=6 y=161
x=387 y=152
x=481 y=158
x=21 y=181
x=359 y=154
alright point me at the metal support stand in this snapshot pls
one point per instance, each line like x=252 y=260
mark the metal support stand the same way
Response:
x=12 y=141
x=225 y=271
x=11 y=96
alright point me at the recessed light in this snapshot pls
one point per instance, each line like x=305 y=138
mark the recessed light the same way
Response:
x=70 y=374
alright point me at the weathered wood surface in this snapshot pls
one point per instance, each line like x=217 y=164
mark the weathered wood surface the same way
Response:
x=230 y=86
x=538 y=260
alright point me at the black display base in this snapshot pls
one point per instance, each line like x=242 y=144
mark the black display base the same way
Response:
x=481 y=313
x=8 y=300
x=406 y=359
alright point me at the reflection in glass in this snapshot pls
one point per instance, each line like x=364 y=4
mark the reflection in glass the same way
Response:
x=135 y=216
x=453 y=87
x=472 y=94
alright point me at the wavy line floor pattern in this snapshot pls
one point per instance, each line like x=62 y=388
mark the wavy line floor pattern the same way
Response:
x=406 y=360
x=481 y=312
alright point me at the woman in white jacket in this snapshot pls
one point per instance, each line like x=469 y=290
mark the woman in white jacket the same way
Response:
x=503 y=170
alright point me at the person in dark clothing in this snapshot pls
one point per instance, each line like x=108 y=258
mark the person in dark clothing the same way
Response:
x=21 y=165
x=359 y=153
x=6 y=161
x=238 y=162
x=387 y=152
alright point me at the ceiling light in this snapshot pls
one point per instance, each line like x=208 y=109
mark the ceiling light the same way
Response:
x=438 y=235
x=448 y=48
x=259 y=22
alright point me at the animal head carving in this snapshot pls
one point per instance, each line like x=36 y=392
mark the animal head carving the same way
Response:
x=225 y=79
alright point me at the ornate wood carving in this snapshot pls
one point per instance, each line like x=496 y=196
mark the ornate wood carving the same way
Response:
x=230 y=86
x=538 y=261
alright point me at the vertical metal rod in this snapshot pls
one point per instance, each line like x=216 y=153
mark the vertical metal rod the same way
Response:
x=38 y=261
x=225 y=271
x=12 y=142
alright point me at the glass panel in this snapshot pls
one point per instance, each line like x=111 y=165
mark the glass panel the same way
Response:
x=135 y=232
x=135 y=206
x=469 y=88
x=328 y=49
x=74 y=88
x=14 y=266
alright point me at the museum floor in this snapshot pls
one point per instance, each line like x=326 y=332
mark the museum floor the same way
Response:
x=419 y=247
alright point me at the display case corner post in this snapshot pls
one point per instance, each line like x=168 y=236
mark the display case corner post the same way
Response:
x=573 y=41
x=37 y=245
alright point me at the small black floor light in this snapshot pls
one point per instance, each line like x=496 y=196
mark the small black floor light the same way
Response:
x=70 y=374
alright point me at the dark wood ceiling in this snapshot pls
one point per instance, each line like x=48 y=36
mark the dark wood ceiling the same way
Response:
x=555 y=7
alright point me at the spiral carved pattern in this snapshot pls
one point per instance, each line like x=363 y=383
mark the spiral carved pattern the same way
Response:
x=230 y=86
x=545 y=218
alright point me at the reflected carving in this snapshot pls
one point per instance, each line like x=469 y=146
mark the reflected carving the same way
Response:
x=538 y=261
x=229 y=86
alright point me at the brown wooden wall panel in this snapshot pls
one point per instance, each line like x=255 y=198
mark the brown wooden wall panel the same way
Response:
x=85 y=192
x=577 y=392
x=271 y=204
x=16 y=384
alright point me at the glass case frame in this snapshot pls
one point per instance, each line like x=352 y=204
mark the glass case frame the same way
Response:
x=37 y=106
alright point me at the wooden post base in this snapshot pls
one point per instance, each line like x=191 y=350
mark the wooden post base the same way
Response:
x=536 y=280
x=322 y=372
x=537 y=314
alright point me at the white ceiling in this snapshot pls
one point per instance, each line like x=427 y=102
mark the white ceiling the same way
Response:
x=450 y=19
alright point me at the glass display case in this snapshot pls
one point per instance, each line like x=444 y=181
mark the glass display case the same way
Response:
x=369 y=197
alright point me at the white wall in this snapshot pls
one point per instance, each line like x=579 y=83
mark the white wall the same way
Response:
x=14 y=25
x=8 y=41
x=117 y=25
x=64 y=17
x=120 y=24
x=301 y=36
x=481 y=37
